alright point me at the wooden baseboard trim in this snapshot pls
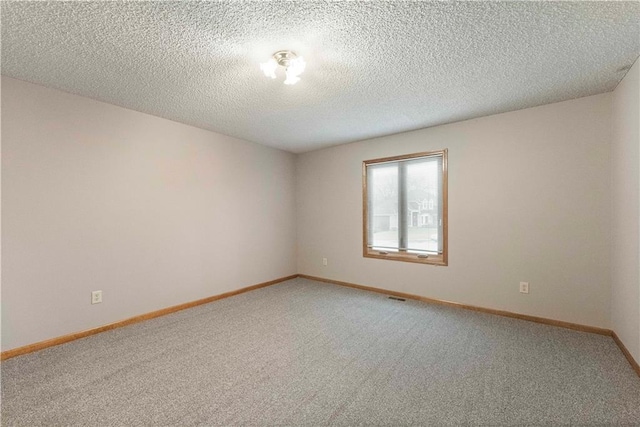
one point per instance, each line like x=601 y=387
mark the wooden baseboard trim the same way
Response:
x=543 y=320
x=627 y=354
x=140 y=318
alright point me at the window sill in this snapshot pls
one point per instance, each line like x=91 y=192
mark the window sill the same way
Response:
x=406 y=257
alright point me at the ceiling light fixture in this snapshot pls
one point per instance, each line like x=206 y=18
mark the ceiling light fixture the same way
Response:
x=292 y=63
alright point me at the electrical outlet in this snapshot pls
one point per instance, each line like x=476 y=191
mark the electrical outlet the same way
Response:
x=96 y=297
x=325 y=262
x=524 y=287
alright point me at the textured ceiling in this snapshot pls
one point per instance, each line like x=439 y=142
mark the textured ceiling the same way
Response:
x=373 y=68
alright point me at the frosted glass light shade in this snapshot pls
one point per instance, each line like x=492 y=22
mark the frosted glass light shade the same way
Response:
x=293 y=66
x=269 y=68
x=291 y=79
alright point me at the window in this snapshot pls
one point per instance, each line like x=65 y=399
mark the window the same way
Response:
x=395 y=191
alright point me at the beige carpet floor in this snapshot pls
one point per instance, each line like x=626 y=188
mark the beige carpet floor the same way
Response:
x=308 y=353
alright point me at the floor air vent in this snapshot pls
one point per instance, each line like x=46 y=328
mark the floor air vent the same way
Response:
x=397 y=299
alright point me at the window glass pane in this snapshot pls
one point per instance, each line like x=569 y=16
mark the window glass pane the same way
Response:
x=423 y=204
x=405 y=208
x=382 y=189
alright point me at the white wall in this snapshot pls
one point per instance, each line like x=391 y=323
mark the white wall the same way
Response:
x=625 y=284
x=152 y=212
x=528 y=201
x=100 y=197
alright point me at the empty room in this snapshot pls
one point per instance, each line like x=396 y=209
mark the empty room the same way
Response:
x=315 y=213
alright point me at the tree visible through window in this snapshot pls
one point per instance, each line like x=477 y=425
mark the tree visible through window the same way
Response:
x=405 y=211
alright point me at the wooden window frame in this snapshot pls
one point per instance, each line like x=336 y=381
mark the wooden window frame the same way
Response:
x=403 y=254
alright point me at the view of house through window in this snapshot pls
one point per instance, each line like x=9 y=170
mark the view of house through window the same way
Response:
x=405 y=207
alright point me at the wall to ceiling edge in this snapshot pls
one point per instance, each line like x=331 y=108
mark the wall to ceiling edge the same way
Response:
x=152 y=212
x=625 y=221
x=529 y=200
